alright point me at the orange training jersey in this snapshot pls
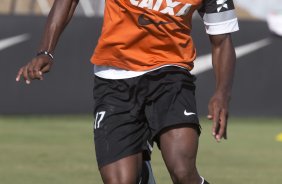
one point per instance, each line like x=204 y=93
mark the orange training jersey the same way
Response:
x=140 y=35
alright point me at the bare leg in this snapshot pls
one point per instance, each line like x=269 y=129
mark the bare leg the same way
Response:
x=123 y=171
x=179 y=147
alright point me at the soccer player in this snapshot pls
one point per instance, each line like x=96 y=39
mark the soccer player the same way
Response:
x=143 y=89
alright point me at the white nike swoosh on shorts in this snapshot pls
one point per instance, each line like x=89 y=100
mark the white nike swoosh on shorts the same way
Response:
x=188 y=113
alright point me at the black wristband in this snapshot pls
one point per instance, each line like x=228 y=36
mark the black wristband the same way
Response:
x=45 y=53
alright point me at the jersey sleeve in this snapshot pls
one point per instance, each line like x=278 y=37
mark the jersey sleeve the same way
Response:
x=219 y=16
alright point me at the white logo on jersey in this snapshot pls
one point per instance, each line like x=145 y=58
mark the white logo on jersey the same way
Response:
x=169 y=9
x=222 y=4
x=99 y=117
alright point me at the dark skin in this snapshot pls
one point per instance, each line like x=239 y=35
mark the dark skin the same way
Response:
x=59 y=17
x=224 y=60
x=178 y=144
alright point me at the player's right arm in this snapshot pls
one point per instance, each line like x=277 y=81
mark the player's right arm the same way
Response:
x=59 y=16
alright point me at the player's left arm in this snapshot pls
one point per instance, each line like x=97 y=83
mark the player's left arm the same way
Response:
x=223 y=59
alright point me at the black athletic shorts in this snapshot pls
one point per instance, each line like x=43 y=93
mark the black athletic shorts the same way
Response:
x=129 y=113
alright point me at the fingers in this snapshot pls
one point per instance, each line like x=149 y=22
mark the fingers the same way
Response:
x=29 y=72
x=20 y=73
x=34 y=70
x=37 y=74
x=215 y=126
x=220 y=125
x=25 y=74
x=221 y=133
x=219 y=115
x=45 y=69
x=209 y=116
x=210 y=108
x=223 y=124
x=213 y=115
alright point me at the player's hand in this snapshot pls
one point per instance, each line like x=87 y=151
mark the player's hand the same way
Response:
x=218 y=113
x=35 y=69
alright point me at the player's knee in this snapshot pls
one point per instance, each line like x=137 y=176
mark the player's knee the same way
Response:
x=182 y=175
x=119 y=178
x=123 y=180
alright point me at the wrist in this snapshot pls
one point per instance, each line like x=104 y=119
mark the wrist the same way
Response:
x=46 y=53
x=223 y=94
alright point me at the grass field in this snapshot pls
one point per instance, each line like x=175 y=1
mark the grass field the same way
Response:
x=58 y=150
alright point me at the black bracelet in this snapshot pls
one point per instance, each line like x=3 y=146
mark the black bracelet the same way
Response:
x=45 y=53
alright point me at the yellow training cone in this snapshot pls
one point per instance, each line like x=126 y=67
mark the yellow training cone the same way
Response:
x=279 y=137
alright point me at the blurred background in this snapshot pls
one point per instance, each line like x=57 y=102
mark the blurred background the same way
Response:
x=67 y=89
x=46 y=127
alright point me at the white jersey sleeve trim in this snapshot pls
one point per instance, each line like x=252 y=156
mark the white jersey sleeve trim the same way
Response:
x=222 y=27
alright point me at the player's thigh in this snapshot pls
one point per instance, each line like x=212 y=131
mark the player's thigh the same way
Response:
x=179 y=146
x=179 y=142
